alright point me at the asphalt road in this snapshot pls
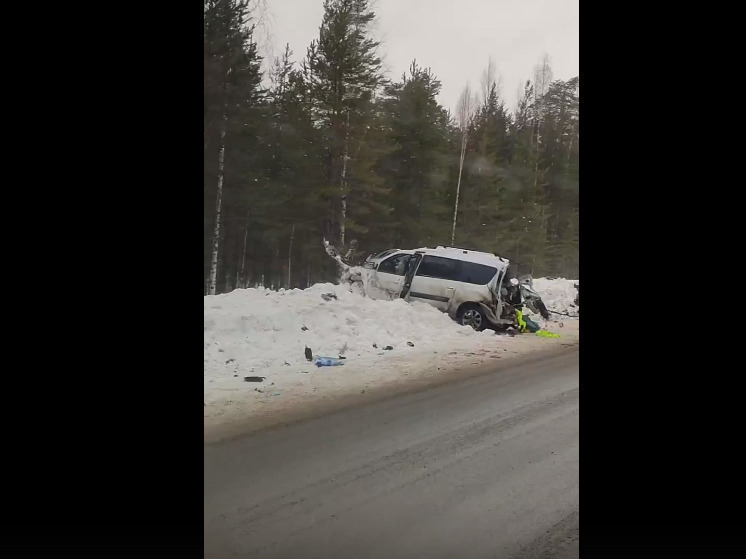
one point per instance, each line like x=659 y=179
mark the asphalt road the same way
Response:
x=486 y=467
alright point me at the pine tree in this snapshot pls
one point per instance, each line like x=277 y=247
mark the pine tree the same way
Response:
x=344 y=72
x=417 y=165
x=559 y=159
x=294 y=171
x=232 y=95
x=484 y=181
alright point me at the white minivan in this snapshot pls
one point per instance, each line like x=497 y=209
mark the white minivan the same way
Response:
x=464 y=283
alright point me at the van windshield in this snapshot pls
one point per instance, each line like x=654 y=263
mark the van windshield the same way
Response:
x=385 y=253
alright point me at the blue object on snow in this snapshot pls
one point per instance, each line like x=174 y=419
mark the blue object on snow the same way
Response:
x=328 y=362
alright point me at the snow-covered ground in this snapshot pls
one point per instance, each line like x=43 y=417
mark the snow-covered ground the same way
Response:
x=558 y=294
x=258 y=332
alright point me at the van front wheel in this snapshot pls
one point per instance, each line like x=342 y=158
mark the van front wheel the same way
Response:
x=472 y=315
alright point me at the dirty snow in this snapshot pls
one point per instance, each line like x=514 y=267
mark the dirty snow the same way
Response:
x=558 y=295
x=259 y=332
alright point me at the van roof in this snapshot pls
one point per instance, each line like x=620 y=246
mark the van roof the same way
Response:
x=468 y=255
x=457 y=253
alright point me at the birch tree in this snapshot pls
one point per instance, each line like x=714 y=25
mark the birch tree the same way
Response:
x=222 y=20
x=213 y=281
x=489 y=81
x=231 y=90
x=464 y=115
x=542 y=80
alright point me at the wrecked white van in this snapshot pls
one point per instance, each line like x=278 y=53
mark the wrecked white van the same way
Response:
x=466 y=284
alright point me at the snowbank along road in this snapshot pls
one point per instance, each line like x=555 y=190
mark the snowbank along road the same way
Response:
x=263 y=333
x=481 y=467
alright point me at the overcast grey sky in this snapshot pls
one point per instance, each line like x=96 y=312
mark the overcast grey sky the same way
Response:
x=453 y=37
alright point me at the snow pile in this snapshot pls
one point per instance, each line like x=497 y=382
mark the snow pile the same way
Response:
x=558 y=295
x=258 y=330
x=263 y=333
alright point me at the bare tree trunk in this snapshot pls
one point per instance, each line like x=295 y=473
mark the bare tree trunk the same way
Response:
x=277 y=265
x=218 y=207
x=290 y=253
x=538 y=141
x=543 y=231
x=242 y=272
x=464 y=113
x=542 y=78
x=458 y=189
x=536 y=162
x=569 y=152
x=343 y=184
x=488 y=78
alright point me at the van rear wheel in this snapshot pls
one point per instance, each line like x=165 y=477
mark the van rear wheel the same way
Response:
x=472 y=315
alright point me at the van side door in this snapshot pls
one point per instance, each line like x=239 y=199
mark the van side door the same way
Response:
x=412 y=266
x=433 y=281
x=390 y=274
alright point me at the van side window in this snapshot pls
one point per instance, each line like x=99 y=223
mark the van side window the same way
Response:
x=395 y=265
x=438 y=267
x=478 y=274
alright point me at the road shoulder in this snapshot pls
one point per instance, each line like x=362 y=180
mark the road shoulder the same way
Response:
x=245 y=412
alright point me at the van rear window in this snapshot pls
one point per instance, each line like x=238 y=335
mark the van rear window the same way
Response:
x=478 y=274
